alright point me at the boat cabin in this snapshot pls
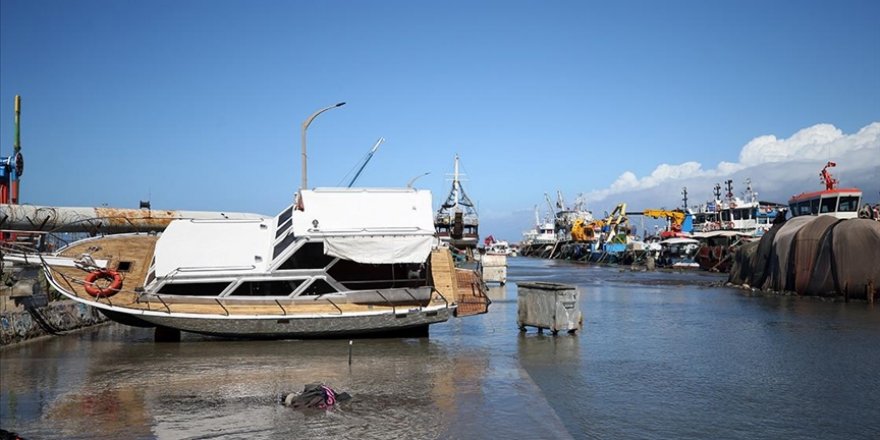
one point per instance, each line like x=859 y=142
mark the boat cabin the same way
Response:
x=841 y=203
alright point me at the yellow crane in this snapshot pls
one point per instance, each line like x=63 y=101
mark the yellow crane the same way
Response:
x=675 y=217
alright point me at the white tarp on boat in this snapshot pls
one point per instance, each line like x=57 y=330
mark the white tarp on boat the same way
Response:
x=368 y=225
x=380 y=249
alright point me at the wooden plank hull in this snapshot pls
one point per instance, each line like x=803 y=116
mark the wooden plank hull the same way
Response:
x=357 y=312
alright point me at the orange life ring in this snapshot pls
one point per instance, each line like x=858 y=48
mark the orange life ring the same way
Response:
x=107 y=274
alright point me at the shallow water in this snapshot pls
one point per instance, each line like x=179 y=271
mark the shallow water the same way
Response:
x=662 y=355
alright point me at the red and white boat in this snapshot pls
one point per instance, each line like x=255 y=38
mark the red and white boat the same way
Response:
x=839 y=202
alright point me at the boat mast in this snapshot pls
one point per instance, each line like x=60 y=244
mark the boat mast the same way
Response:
x=684 y=193
x=751 y=195
x=560 y=202
x=455 y=184
x=550 y=205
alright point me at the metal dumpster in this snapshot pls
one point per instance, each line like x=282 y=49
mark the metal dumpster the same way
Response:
x=552 y=306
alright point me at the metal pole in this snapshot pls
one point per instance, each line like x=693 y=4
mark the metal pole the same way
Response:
x=413 y=180
x=16 y=146
x=305 y=126
x=16 y=161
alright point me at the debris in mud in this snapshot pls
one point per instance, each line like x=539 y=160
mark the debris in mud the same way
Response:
x=315 y=396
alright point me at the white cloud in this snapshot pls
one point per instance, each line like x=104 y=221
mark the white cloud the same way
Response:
x=761 y=160
x=857 y=154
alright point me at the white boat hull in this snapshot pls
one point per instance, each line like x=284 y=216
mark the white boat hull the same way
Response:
x=280 y=327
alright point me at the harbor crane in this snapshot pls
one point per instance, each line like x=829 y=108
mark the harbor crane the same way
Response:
x=678 y=221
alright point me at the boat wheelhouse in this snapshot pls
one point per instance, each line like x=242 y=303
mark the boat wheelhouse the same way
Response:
x=838 y=202
x=338 y=262
x=747 y=215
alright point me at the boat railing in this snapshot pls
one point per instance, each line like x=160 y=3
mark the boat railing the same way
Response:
x=371 y=231
x=70 y=281
x=225 y=220
x=183 y=269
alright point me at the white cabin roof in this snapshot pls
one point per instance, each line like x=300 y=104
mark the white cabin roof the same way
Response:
x=364 y=211
x=366 y=225
x=198 y=245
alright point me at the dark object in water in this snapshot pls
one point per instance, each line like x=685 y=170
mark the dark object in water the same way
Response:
x=7 y=435
x=315 y=396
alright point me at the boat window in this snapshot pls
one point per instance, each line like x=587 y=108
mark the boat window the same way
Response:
x=123 y=266
x=283 y=245
x=267 y=288
x=814 y=206
x=848 y=204
x=283 y=228
x=285 y=215
x=725 y=216
x=318 y=287
x=737 y=214
x=194 y=289
x=357 y=276
x=828 y=205
x=803 y=208
x=309 y=256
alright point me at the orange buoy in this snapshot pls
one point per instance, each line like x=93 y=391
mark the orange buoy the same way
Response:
x=103 y=292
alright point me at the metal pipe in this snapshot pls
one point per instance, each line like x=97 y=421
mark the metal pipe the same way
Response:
x=16 y=146
x=102 y=219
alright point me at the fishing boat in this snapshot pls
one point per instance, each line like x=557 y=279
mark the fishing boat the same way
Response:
x=337 y=262
x=678 y=252
x=456 y=221
x=838 y=202
x=745 y=214
x=717 y=248
x=497 y=247
x=540 y=239
x=568 y=216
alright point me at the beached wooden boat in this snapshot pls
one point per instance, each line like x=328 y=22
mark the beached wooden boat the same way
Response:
x=338 y=262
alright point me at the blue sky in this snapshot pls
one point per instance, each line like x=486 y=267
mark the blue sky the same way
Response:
x=197 y=104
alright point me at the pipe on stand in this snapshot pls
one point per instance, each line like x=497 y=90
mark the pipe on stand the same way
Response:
x=11 y=169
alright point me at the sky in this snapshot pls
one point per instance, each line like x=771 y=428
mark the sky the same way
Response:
x=198 y=105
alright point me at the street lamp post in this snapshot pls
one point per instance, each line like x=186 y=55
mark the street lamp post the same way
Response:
x=305 y=126
x=413 y=180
